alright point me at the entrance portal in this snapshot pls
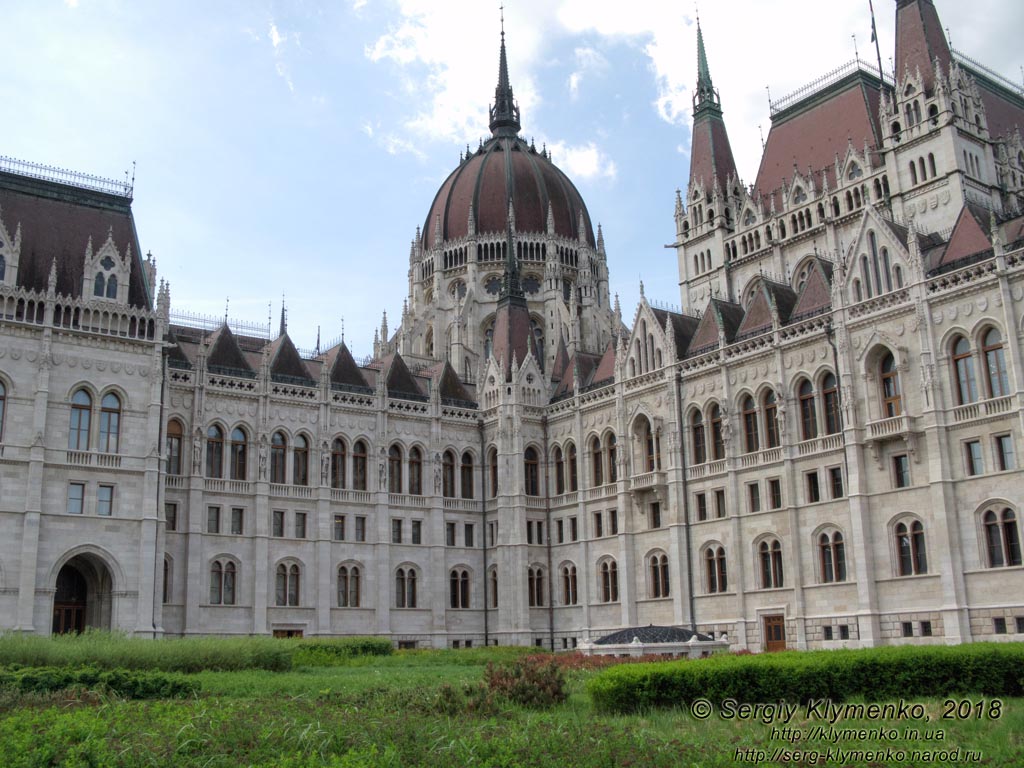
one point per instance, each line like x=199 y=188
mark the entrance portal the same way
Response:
x=83 y=597
x=775 y=633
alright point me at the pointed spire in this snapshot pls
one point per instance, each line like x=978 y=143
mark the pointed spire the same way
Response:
x=705 y=95
x=283 y=329
x=920 y=41
x=384 y=328
x=504 y=113
x=711 y=160
x=317 y=341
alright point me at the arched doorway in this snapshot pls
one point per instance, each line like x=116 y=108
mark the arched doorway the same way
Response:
x=83 y=595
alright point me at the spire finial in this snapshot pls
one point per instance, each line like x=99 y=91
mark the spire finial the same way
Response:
x=227 y=303
x=504 y=113
x=284 y=319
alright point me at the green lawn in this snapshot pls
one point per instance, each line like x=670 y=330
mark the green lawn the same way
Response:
x=396 y=711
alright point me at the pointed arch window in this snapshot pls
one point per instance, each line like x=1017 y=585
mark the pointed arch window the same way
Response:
x=1002 y=538
x=910 y=548
x=572 y=467
x=531 y=472
x=613 y=466
x=715 y=571
x=830 y=399
x=535 y=587
x=214 y=451
x=597 y=464
x=770 y=556
x=892 y=399
x=405 y=588
x=559 y=471
x=359 y=466
x=239 y=454
x=717 y=437
x=415 y=471
x=286 y=585
x=995 y=363
x=448 y=475
x=278 y=456
x=493 y=471
x=394 y=469
x=3 y=401
x=609 y=587
x=466 y=475
x=570 y=595
x=494 y=588
x=175 y=433
x=99 y=285
x=81 y=415
x=700 y=454
x=112 y=287
x=658 y=566
x=808 y=413
x=963 y=363
x=832 y=557
x=300 y=461
x=110 y=423
x=348 y=586
x=750 y=436
x=458 y=588
x=338 y=457
x=771 y=420
x=222 y=582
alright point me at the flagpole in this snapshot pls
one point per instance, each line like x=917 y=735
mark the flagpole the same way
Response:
x=874 y=39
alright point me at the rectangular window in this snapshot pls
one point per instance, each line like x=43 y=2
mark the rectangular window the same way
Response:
x=1004 y=453
x=540 y=532
x=237 y=520
x=720 y=503
x=901 y=471
x=449 y=534
x=908 y=628
x=492 y=534
x=529 y=531
x=844 y=631
x=613 y=522
x=396 y=531
x=105 y=500
x=574 y=529
x=560 y=527
x=702 y=506
x=655 y=514
x=300 y=525
x=754 y=497
x=76 y=498
x=467 y=533
x=598 y=525
x=407 y=645
x=467 y=644
x=826 y=633
x=213 y=519
x=926 y=629
x=813 y=490
x=775 y=493
x=277 y=523
x=171 y=517
x=417 y=531
x=1020 y=625
x=339 y=527
x=835 y=482
x=999 y=625
x=973 y=463
x=360 y=528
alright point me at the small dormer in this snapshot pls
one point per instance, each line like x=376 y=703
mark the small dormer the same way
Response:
x=106 y=272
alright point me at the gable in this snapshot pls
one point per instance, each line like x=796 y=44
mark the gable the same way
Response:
x=968 y=239
x=344 y=371
x=286 y=361
x=816 y=296
x=226 y=354
x=758 y=318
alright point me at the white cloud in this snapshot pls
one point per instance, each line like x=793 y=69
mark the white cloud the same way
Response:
x=583 y=161
x=71 y=3
x=280 y=42
x=589 y=61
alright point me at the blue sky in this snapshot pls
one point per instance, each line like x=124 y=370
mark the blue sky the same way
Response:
x=293 y=147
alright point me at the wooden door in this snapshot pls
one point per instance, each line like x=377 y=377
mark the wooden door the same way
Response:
x=774 y=633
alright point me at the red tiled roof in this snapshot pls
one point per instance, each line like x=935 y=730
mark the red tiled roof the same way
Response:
x=919 y=41
x=816 y=295
x=606 y=366
x=225 y=352
x=285 y=359
x=968 y=238
x=711 y=153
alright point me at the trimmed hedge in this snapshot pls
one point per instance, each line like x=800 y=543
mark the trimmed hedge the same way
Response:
x=877 y=674
x=327 y=652
x=131 y=684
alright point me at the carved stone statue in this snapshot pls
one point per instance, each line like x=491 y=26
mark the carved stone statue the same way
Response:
x=263 y=457
x=197 y=452
x=437 y=473
x=325 y=463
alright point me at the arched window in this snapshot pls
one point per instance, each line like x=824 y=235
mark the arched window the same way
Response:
x=910 y=548
x=750 y=441
x=448 y=475
x=286 y=585
x=808 y=414
x=913 y=173
x=174 y=436
x=963 y=363
x=717 y=439
x=338 y=456
x=458 y=588
x=832 y=557
x=112 y=287
x=466 y=475
x=700 y=454
x=99 y=285
x=214 y=451
x=110 y=423
x=715 y=570
x=359 y=466
x=771 y=420
x=489 y=341
x=609 y=588
x=166 y=597
x=830 y=397
x=1002 y=538
x=239 y=453
x=559 y=471
x=531 y=472
x=415 y=471
x=494 y=588
x=348 y=586
x=597 y=465
x=222 y=582
x=613 y=466
x=892 y=401
x=569 y=593
x=394 y=469
x=300 y=461
x=535 y=587
x=658 y=565
x=574 y=476
x=770 y=556
x=278 y=454
x=493 y=469
x=405 y=588
x=81 y=415
x=3 y=267
x=995 y=363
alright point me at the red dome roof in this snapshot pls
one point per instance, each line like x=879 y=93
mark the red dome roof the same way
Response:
x=507 y=168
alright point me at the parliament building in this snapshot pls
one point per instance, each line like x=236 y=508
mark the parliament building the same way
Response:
x=822 y=449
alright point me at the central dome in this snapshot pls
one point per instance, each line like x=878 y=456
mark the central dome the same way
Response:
x=506 y=169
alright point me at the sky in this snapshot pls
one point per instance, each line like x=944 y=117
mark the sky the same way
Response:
x=290 y=149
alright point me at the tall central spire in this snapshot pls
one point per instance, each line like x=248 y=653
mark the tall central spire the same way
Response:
x=504 y=113
x=705 y=97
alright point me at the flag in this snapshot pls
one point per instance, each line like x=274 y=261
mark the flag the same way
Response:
x=874 y=35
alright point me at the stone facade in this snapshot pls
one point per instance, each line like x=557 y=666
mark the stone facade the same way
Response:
x=821 y=450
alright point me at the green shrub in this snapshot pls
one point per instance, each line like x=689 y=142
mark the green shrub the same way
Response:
x=131 y=684
x=993 y=669
x=533 y=681
x=332 y=652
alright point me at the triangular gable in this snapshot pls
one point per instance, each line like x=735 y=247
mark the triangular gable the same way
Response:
x=605 y=370
x=400 y=380
x=706 y=337
x=285 y=359
x=561 y=363
x=683 y=328
x=225 y=352
x=449 y=384
x=344 y=370
x=784 y=299
x=582 y=365
x=816 y=296
x=174 y=352
x=758 y=318
x=968 y=238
